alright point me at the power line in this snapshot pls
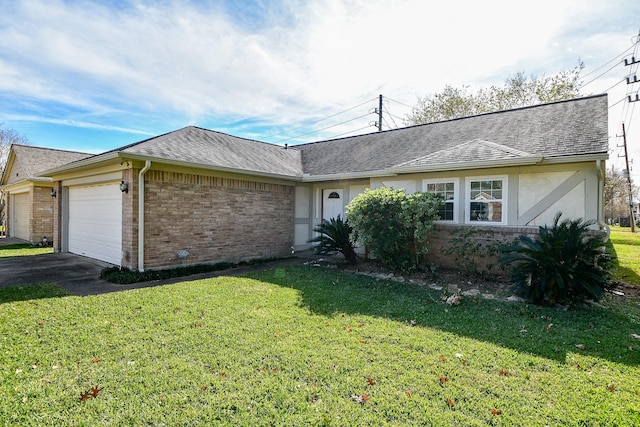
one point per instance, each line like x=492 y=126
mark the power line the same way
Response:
x=596 y=78
x=320 y=120
x=626 y=113
x=325 y=128
x=610 y=61
x=398 y=102
x=391 y=116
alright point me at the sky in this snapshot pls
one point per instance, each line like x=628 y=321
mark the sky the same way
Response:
x=92 y=76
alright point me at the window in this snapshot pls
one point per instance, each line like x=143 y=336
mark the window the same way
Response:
x=486 y=197
x=447 y=189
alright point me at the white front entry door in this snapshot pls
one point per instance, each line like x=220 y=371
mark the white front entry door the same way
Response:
x=332 y=203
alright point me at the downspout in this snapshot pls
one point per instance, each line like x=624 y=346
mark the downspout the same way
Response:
x=147 y=166
x=601 y=178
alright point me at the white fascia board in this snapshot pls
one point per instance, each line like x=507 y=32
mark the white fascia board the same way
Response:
x=576 y=158
x=18 y=187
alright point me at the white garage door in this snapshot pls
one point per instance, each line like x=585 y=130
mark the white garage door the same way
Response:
x=95 y=222
x=20 y=220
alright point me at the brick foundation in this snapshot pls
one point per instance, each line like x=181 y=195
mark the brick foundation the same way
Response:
x=475 y=245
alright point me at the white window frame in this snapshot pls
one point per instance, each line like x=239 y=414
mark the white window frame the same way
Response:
x=456 y=197
x=504 y=200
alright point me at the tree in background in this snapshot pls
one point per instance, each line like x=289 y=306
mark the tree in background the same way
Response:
x=518 y=91
x=7 y=137
x=616 y=195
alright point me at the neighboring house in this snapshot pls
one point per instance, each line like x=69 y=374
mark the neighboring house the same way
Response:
x=29 y=209
x=199 y=196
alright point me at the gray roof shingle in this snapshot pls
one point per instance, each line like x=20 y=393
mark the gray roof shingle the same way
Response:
x=565 y=128
x=215 y=149
x=34 y=160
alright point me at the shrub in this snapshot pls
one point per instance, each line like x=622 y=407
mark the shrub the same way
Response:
x=564 y=264
x=393 y=225
x=335 y=236
x=474 y=249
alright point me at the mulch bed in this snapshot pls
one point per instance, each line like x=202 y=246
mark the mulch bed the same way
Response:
x=451 y=281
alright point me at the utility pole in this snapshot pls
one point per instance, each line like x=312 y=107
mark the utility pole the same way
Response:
x=380 y=113
x=626 y=159
x=631 y=80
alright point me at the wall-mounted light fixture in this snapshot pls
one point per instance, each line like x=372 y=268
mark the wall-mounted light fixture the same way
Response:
x=124 y=187
x=53 y=192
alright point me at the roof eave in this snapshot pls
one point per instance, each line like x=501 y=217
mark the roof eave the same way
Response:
x=181 y=163
x=485 y=164
x=576 y=158
x=107 y=158
x=345 y=176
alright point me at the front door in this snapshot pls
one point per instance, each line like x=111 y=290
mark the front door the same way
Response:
x=332 y=203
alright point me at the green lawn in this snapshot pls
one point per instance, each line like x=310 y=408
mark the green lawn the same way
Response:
x=22 y=249
x=312 y=346
x=626 y=247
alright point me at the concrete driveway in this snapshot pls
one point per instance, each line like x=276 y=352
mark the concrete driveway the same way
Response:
x=80 y=275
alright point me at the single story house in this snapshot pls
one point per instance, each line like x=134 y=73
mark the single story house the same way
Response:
x=200 y=196
x=29 y=208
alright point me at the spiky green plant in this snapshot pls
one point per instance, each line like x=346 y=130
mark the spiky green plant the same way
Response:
x=565 y=263
x=335 y=236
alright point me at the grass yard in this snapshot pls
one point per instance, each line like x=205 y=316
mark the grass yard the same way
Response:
x=23 y=249
x=304 y=345
x=626 y=247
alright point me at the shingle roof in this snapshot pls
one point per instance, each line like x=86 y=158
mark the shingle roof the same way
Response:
x=468 y=152
x=34 y=160
x=565 y=128
x=215 y=149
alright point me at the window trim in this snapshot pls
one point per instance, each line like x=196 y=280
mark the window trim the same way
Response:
x=468 y=201
x=456 y=195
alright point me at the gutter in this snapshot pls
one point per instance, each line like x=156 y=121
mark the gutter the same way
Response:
x=147 y=166
x=600 y=200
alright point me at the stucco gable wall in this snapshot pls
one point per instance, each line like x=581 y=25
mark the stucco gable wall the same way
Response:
x=211 y=219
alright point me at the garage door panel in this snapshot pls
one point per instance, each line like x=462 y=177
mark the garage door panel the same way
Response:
x=20 y=220
x=95 y=222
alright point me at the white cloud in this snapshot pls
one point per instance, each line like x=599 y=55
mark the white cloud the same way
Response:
x=197 y=61
x=279 y=63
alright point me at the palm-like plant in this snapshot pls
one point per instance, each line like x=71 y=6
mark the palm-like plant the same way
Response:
x=565 y=263
x=335 y=236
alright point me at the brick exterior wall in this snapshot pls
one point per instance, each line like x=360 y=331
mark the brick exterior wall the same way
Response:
x=41 y=215
x=440 y=241
x=214 y=219
x=130 y=220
